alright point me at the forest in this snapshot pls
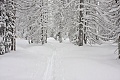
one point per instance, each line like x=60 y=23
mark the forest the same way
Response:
x=59 y=39
x=82 y=21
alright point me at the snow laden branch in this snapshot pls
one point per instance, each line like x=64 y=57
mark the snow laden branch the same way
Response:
x=35 y=18
x=97 y=15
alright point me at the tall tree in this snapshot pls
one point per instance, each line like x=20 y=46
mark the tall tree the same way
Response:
x=10 y=23
x=80 y=28
x=7 y=26
x=34 y=26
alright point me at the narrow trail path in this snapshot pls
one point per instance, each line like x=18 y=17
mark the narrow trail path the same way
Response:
x=54 y=70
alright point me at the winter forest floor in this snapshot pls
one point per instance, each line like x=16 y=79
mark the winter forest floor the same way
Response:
x=60 y=61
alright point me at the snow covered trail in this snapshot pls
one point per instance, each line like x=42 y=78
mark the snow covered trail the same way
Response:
x=60 y=61
x=49 y=73
x=53 y=71
x=30 y=62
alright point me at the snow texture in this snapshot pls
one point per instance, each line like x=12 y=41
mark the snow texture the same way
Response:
x=60 y=61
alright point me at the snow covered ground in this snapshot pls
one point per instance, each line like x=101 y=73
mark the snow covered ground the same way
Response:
x=60 y=61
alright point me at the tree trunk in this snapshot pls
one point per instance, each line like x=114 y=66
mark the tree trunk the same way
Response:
x=119 y=47
x=80 y=37
x=85 y=37
x=60 y=37
x=13 y=46
x=13 y=40
x=46 y=36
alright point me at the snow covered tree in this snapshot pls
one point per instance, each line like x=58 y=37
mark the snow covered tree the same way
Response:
x=95 y=21
x=83 y=21
x=2 y=26
x=7 y=21
x=10 y=24
x=80 y=28
x=114 y=17
x=34 y=26
x=57 y=18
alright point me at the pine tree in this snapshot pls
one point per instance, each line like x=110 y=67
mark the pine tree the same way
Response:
x=10 y=25
x=7 y=15
x=80 y=27
x=34 y=25
x=2 y=27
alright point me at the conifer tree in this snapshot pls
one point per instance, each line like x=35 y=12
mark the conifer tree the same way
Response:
x=7 y=24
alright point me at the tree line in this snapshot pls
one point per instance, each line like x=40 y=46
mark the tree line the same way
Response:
x=82 y=21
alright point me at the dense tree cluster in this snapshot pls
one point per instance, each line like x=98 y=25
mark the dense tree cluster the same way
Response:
x=7 y=28
x=88 y=19
x=82 y=21
x=33 y=25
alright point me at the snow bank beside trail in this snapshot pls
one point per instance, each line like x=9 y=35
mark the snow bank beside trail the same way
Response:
x=27 y=63
x=97 y=62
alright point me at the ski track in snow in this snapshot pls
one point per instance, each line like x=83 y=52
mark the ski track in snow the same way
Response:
x=49 y=73
x=54 y=65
